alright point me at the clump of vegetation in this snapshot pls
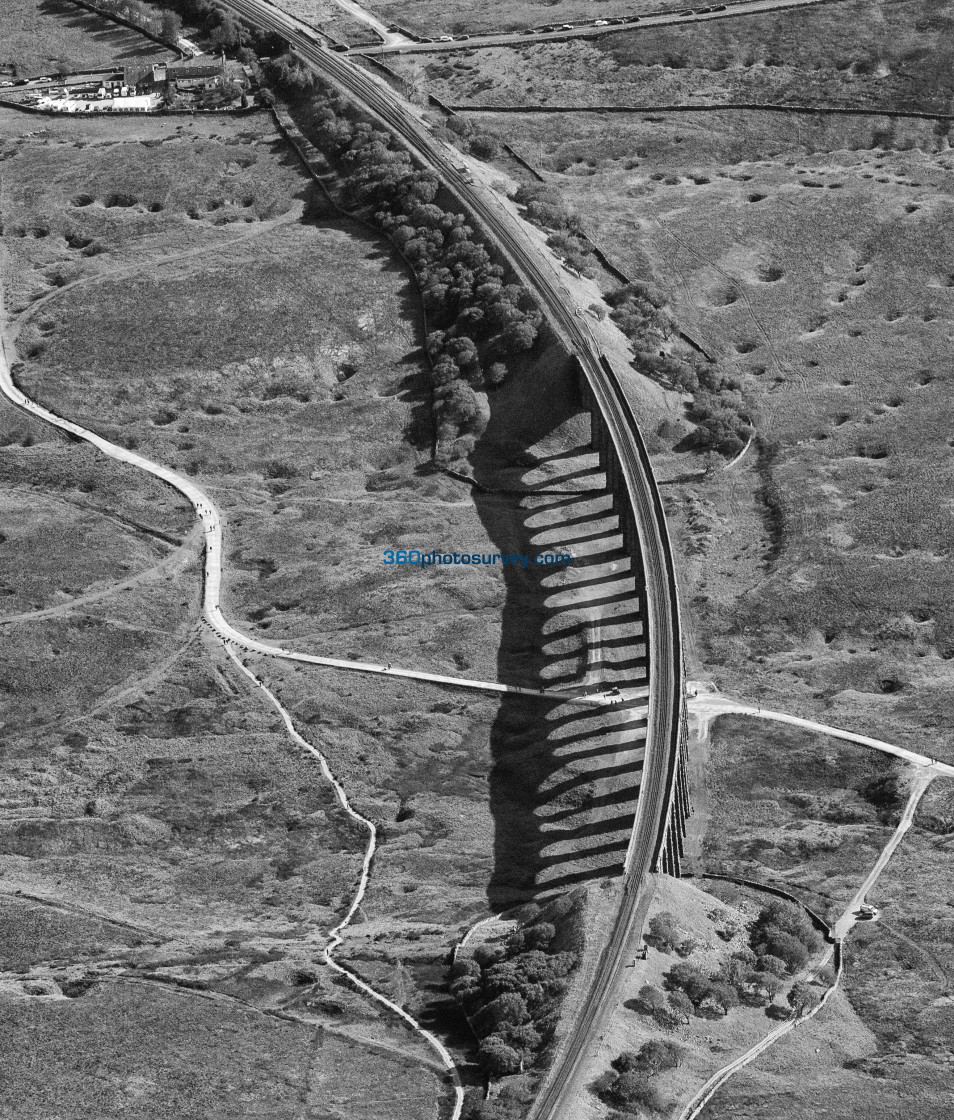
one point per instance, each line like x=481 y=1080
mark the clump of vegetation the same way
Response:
x=781 y=942
x=510 y=993
x=628 y=1086
x=665 y=935
x=483 y=145
x=783 y=933
x=545 y=208
x=717 y=405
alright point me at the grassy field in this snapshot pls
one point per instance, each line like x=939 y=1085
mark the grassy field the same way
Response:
x=812 y=259
x=53 y=36
x=332 y=20
x=795 y=809
x=277 y=359
x=133 y=1046
x=429 y=17
x=892 y=54
x=803 y=812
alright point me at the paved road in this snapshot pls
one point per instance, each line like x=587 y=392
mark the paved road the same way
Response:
x=663 y=628
x=706 y=706
x=588 y=31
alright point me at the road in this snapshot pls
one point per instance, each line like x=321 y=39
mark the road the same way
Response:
x=539 y=271
x=588 y=31
x=922 y=779
x=706 y=706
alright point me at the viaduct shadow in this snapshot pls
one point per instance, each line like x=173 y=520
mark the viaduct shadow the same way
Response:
x=565 y=777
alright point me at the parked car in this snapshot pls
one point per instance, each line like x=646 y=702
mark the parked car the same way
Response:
x=600 y=22
x=339 y=47
x=424 y=39
x=566 y=26
x=8 y=83
x=392 y=28
x=461 y=38
x=446 y=39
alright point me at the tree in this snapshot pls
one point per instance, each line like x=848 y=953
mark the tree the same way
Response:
x=485 y=146
x=689 y=979
x=650 y=999
x=540 y=935
x=663 y=930
x=802 y=997
x=659 y=1054
x=170 y=26
x=634 y=1088
x=497 y=1058
x=681 y=1006
x=721 y=997
x=506 y=1008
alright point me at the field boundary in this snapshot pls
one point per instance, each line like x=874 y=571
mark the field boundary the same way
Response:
x=112 y=17
x=746 y=106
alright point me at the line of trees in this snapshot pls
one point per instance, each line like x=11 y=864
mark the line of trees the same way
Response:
x=717 y=406
x=161 y=22
x=226 y=30
x=480 y=322
x=509 y=992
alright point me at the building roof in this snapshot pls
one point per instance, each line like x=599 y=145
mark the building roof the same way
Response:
x=205 y=66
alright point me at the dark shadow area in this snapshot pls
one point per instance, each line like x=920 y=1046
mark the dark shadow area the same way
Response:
x=565 y=777
x=117 y=42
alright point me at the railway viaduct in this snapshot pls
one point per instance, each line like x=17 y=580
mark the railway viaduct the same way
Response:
x=668 y=849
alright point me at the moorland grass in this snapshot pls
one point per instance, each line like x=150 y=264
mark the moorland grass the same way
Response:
x=50 y=36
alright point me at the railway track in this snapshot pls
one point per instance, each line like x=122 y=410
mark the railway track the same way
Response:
x=663 y=626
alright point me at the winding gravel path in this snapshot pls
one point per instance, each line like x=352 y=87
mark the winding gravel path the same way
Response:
x=211 y=522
